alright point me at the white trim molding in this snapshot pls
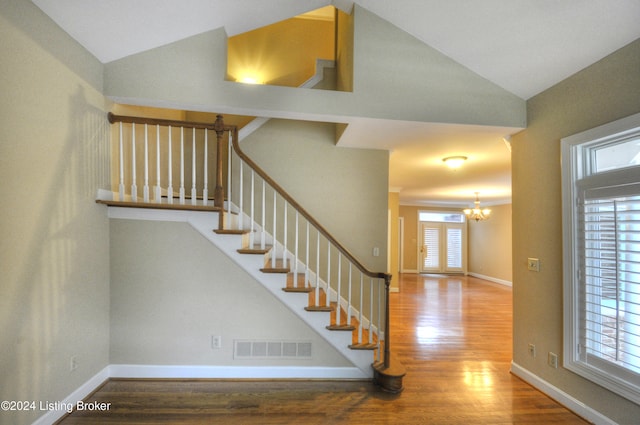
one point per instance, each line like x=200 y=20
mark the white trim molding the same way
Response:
x=52 y=416
x=491 y=279
x=571 y=403
x=233 y=372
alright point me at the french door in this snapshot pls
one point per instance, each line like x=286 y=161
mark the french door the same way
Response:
x=442 y=248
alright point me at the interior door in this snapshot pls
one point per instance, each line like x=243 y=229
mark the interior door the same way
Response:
x=442 y=248
x=431 y=237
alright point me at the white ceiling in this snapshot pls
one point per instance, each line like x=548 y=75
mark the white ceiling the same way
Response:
x=523 y=46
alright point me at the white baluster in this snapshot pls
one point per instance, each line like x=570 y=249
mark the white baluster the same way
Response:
x=241 y=197
x=318 y=269
x=181 y=165
x=338 y=315
x=205 y=189
x=360 y=313
x=285 y=226
x=306 y=260
x=229 y=171
x=274 y=253
x=121 y=185
x=252 y=220
x=370 y=311
x=194 y=192
x=263 y=235
x=158 y=190
x=328 y=274
x=134 y=187
x=170 y=171
x=295 y=255
x=349 y=296
x=145 y=188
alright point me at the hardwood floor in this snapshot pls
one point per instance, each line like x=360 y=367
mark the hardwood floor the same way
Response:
x=453 y=335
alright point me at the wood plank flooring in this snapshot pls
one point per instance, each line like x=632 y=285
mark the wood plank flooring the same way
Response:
x=453 y=335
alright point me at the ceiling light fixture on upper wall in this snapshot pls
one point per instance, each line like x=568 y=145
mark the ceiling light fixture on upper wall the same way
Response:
x=454 y=162
x=476 y=213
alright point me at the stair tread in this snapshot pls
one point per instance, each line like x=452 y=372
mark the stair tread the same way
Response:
x=319 y=308
x=341 y=328
x=255 y=250
x=278 y=268
x=363 y=346
x=231 y=231
x=299 y=290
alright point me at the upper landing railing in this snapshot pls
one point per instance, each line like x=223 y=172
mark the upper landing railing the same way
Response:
x=177 y=162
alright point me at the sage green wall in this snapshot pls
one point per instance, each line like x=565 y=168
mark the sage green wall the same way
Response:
x=395 y=76
x=171 y=290
x=54 y=256
x=604 y=92
x=344 y=189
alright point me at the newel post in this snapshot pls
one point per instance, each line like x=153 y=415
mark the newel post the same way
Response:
x=218 y=194
x=387 y=333
x=388 y=374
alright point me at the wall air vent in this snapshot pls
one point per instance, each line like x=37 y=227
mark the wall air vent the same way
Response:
x=264 y=349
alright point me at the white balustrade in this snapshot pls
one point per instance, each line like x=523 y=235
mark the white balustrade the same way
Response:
x=145 y=188
x=170 y=169
x=158 y=188
x=181 y=189
x=194 y=191
x=134 y=187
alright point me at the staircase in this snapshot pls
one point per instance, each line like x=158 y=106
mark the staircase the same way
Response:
x=265 y=231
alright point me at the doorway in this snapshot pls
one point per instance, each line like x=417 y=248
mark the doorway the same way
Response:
x=442 y=247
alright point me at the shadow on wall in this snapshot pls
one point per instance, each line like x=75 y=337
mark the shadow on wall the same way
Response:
x=53 y=290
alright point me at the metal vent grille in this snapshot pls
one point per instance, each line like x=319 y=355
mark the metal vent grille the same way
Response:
x=262 y=349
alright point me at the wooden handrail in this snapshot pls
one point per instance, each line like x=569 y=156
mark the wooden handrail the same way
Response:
x=113 y=118
x=300 y=209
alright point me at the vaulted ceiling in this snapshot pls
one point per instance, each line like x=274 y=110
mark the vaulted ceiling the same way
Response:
x=523 y=46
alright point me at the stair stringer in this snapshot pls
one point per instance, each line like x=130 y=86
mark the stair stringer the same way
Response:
x=204 y=223
x=278 y=248
x=318 y=321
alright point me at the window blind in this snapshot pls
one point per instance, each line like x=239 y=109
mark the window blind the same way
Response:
x=611 y=278
x=432 y=243
x=454 y=248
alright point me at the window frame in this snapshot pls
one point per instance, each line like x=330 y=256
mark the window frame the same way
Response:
x=579 y=176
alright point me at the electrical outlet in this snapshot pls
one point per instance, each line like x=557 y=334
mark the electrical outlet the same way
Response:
x=532 y=350
x=73 y=363
x=216 y=342
x=552 y=359
x=533 y=264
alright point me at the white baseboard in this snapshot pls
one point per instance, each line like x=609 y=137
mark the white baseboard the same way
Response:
x=561 y=397
x=78 y=395
x=233 y=372
x=491 y=279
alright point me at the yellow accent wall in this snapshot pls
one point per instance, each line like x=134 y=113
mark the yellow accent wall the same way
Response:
x=281 y=54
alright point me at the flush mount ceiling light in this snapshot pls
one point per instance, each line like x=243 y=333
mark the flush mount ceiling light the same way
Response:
x=454 y=162
x=476 y=213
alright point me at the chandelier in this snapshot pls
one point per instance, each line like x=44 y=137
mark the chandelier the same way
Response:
x=476 y=213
